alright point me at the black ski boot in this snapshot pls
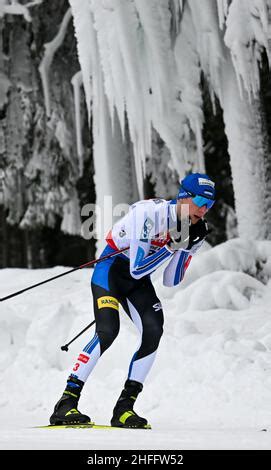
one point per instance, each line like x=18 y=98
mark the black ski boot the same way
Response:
x=65 y=411
x=123 y=413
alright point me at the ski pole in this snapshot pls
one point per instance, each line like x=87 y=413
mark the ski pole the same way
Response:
x=89 y=263
x=65 y=347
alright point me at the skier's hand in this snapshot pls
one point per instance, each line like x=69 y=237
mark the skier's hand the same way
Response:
x=197 y=233
x=176 y=237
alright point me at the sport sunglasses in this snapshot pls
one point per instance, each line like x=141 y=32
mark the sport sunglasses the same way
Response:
x=201 y=201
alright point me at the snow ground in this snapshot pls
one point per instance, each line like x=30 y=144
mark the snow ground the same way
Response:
x=210 y=387
x=163 y=437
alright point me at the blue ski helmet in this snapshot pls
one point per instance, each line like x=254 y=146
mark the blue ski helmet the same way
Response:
x=197 y=184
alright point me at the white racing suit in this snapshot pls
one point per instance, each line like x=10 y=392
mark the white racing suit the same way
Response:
x=125 y=279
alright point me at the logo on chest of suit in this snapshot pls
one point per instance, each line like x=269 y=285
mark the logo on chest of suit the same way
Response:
x=157 y=306
x=148 y=224
x=122 y=233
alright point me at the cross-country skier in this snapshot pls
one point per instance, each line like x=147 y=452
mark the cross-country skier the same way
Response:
x=149 y=230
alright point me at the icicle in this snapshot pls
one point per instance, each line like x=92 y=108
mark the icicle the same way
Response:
x=261 y=20
x=2 y=7
x=86 y=40
x=188 y=82
x=222 y=7
x=5 y=85
x=33 y=3
x=246 y=35
x=176 y=10
x=15 y=8
x=155 y=18
x=201 y=161
x=209 y=40
x=71 y=222
x=111 y=46
x=49 y=51
x=245 y=139
x=121 y=42
x=77 y=81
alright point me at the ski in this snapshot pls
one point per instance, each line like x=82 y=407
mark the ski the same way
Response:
x=86 y=426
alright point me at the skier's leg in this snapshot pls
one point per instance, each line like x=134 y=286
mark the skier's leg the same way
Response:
x=145 y=310
x=107 y=328
x=106 y=311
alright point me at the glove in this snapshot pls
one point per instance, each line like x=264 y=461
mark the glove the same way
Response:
x=197 y=233
x=175 y=242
